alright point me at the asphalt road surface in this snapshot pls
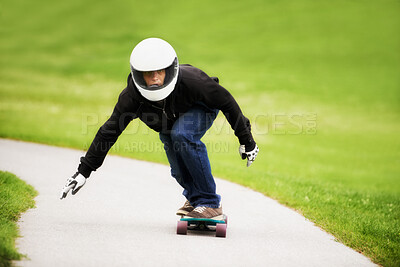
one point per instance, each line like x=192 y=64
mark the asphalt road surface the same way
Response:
x=125 y=216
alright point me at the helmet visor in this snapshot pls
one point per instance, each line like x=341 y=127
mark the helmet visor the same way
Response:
x=170 y=73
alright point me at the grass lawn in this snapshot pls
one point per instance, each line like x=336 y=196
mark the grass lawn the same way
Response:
x=319 y=81
x=15 y=197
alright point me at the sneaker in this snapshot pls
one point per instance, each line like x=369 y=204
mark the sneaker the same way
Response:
x=205 y=213
x=185 y=209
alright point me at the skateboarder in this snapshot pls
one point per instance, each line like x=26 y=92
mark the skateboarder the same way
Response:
x=180 y=102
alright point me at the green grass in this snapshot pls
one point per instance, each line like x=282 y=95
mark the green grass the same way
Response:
x=15 y=197
x=319 y=81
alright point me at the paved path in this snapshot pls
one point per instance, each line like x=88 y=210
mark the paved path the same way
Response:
x=124 y=216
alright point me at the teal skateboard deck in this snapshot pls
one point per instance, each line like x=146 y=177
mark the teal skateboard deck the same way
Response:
x=200 y=224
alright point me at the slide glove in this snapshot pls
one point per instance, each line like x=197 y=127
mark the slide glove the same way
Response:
x=248 y=153
x=75 y=183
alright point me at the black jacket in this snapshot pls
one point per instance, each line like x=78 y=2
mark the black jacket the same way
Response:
x=193 y=86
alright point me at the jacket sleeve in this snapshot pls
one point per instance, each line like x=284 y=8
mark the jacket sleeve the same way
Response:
x=216 y=96
x=108 y=134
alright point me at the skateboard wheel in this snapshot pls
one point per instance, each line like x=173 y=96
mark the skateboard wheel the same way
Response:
x=181 y=228
x=220 y=230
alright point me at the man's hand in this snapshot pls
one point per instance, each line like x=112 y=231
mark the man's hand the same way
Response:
x=248 y=153
x=75 y=183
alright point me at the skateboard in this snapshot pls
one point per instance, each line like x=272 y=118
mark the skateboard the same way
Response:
x=218 y=225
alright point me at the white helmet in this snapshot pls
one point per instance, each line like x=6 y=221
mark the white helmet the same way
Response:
x=150 y=55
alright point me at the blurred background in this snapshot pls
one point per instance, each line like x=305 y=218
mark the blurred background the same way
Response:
x=320 y=82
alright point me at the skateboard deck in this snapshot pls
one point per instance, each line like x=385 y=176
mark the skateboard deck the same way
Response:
x=218 y=225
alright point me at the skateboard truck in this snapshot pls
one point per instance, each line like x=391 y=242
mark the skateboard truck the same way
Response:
x=201 y=224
